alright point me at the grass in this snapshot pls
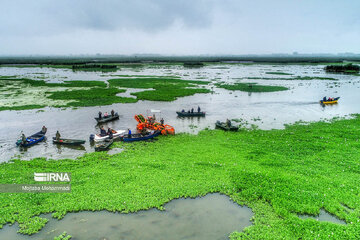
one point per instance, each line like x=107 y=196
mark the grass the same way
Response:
x=251 y=87
x=280 y=174
x=165 y=89
x=279 y=73
x=91 y=97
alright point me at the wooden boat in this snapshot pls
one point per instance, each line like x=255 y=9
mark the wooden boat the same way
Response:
x=335 y=100
x=140 y=137
x=68 y=141
x=104 y=145
x=224 y=126
x=116 y=134
x=107 y=119
x=32 y=140
x=191 y=114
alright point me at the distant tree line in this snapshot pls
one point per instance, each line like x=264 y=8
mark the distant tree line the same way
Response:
x=91 y=66
x=343 y=68
x=193 y=64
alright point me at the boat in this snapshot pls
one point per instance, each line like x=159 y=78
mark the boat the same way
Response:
x=104 y=145
x=335 y=100
x=99 y=138
x=224 y=126
x=68 y=141
x=107 y=119
x=140 y=137
x=32 y=140
x=191 y=114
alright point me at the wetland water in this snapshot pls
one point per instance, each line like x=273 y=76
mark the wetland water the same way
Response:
x=266 y=110
x=211 y=217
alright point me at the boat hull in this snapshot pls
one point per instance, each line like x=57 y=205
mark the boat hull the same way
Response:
x=118 y=134
x=330 y=102
x=107 y=119
x=194 y=114
x=32 y=140
x=65 y=141
x=138 y=137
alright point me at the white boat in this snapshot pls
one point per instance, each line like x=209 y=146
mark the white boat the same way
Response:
x=116 y=134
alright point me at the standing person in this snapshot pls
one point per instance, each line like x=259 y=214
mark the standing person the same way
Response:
x=192 y=110
x=228 y=122
x=23 y=138
x=129 y=133
x=44 y=129
x=100 y=113
x=57 y=136
x=110 y=133
x=199 y=109
x=162 y=121
x=112 y=112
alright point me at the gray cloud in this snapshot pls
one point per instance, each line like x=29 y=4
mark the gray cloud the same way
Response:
x=178 y=27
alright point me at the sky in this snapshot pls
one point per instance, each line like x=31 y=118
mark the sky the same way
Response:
x=180 y=27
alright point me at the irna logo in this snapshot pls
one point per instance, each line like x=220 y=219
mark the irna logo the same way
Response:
x=52 y=177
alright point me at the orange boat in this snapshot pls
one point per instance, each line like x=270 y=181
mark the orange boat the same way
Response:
x=150 y=124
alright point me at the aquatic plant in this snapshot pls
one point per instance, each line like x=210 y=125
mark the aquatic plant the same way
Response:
x=278 y=173
x=279 y=73
x=251 y=87
x=346 y=68
x=63 y=236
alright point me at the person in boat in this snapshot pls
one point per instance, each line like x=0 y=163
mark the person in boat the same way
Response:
x=183 y=110
x=106 y=114
x=57 y=135
x=154 y=118
x=228 y=123
x=112 y=112
x=129 y=133
x=199 y=109
x=192 y=110
x=110 y=133
x=324 y=99
x=102 y=131
x=188 y=111
x=162 y=121
x=43 y=129
x=100 y=113
x=23 y=138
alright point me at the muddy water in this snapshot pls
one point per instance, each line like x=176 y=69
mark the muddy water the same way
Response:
x=266 y=110
x=324 y=217
x=211 y=217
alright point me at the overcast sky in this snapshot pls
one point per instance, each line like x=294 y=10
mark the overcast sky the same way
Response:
x=179 y=26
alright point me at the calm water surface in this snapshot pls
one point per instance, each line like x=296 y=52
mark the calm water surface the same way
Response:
x=211 y=217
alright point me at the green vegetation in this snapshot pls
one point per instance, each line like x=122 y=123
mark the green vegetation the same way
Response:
x=295 y=78
x=165 y=89
x=251 y=87
x=347 y=68
x=280 y=174
x=23 y=93
x=91 y=97
x=279 y=73
x=63 y=236
x=95 y=67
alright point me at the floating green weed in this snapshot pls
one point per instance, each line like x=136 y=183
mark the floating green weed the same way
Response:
x=251 y=87
x=278 y=173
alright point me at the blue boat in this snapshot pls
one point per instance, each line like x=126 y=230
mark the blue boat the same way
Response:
x=140 y=137
x=32 y=140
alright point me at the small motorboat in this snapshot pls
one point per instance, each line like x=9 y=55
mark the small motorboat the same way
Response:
x=140 y=137
x=99 y=138
x=332 y=101
x=191 y=114
x=68 y=141
x=224 y=126
x=103 y=146
x=32 y=140
x=107 y=119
